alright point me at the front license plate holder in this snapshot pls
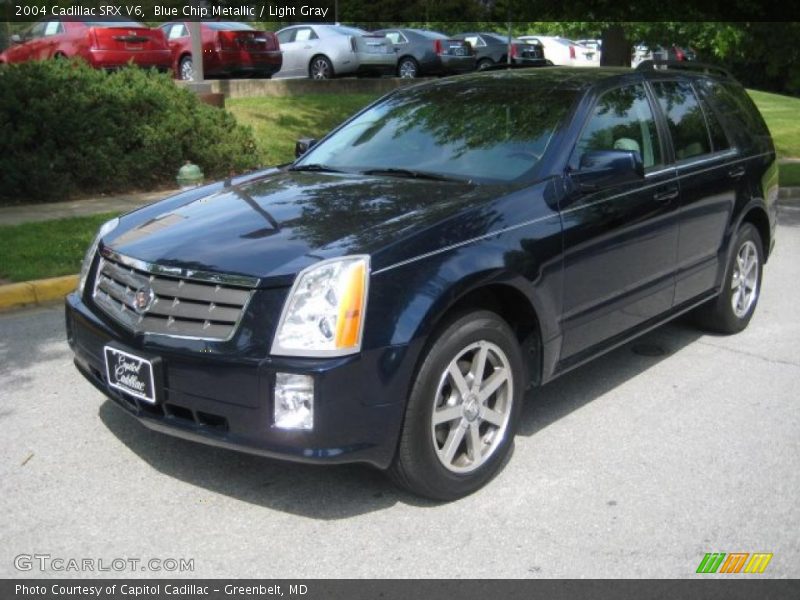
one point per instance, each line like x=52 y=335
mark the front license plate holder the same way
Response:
x=133 y=374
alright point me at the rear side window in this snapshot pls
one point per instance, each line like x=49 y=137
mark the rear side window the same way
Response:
x=719 y=140
x=738 y=112
x=621 y=120
x=685 y=118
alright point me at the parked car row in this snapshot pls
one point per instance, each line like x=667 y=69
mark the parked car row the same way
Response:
x=315 y=50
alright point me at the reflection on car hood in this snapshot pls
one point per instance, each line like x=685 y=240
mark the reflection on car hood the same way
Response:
x=276 y=225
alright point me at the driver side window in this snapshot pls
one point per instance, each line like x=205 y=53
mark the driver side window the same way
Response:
x=622 y=119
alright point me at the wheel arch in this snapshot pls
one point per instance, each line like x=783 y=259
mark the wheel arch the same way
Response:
x=501 y=296
x=755 y=213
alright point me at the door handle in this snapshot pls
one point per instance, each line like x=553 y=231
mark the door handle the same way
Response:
x=736 y=172
x=306 y=47
x=666 y=195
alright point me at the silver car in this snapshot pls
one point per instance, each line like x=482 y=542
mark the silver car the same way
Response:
x=324 y=51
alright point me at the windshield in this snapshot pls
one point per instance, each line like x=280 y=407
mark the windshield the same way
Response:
x=493 y=132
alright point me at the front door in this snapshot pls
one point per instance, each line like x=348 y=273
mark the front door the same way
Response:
x=620 y=242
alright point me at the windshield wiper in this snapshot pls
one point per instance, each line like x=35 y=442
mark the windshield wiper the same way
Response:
x=316 y=167
x=412 y=174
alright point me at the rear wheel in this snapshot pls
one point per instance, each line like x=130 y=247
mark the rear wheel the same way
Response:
x=407 y=68
x=186 y=69
x=320 y=68
x=463 y=410
x=732 y=310
x=484 y=64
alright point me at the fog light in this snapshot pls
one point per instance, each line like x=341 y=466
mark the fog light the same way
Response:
x=294 y=401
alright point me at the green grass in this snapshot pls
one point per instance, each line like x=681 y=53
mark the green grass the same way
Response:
x=781 y=114
x=278 y=121
x=47 y=248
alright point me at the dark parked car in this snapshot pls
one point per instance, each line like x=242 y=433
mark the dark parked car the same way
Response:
x=389 y=297
x=230 y=48
x=492 y=49
x=421 y=52
x=103 y=44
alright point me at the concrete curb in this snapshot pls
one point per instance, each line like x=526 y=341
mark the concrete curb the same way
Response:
x=38 y=291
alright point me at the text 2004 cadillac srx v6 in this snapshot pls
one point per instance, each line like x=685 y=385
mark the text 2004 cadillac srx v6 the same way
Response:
x=389 y=297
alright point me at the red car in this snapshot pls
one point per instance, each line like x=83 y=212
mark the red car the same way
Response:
x=103 y=44
x=229 y=48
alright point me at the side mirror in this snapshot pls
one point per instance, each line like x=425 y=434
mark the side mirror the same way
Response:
x=303 y=145
x=16 y=39
x=605 y=168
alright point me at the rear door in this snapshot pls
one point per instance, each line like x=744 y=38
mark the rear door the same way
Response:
x=620 y=242
x=708 y=175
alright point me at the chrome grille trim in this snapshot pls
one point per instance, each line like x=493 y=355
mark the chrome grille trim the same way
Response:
x=194 y=306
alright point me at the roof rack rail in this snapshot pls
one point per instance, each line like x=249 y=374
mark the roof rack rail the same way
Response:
x=683 y=65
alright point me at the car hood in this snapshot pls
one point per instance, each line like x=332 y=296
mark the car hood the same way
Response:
x=274 y=226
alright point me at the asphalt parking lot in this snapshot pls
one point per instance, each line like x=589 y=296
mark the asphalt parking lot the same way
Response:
x=633 y=466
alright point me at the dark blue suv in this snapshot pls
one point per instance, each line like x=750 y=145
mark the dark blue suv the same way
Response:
x=389 y=296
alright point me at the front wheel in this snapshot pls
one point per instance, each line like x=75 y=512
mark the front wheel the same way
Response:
x=732 y=310
x=463 y=410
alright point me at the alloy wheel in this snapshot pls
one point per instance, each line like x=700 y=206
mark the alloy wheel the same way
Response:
x=472 y=407
x=320 y=69
x=744 y=285
x=187 y=70
x=408 y=70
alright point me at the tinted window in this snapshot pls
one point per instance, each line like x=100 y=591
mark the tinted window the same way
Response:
x=719 y=141
x=489 y=133
x=685 y=118
x=622 y=120
x=736 y=108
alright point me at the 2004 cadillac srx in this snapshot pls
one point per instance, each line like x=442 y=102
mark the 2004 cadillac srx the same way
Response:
x=389 y=296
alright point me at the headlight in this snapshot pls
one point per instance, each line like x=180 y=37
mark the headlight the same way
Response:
x=324 y=313
x=105 y=229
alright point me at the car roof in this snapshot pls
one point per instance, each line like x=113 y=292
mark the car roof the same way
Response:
x=560 y=78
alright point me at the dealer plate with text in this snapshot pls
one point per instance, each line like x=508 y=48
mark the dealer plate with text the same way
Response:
x=130 y=374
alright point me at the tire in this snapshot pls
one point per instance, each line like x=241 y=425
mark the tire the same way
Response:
x=320 y=67
x=435 y=458
x=407 y=68
x=186 y=69
x=484 y=64
x=731 y=311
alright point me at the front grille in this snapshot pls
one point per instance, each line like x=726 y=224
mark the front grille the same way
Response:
x=167 y=305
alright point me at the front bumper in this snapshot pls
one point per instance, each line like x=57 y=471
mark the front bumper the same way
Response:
x=228 y=402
